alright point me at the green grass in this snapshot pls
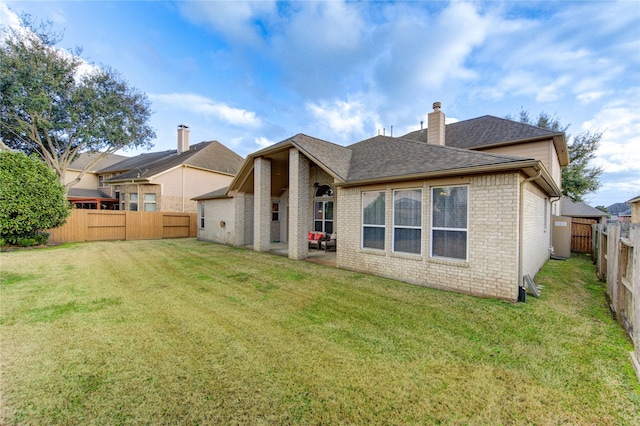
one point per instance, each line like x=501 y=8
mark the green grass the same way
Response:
x=187 y=332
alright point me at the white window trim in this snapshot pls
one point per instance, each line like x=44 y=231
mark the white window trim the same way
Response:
x=145 y=202
x=201 y=215
x=383 y=226
x=436 y=228
x=394 y=226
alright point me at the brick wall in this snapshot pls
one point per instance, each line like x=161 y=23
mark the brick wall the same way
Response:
x=492 y=266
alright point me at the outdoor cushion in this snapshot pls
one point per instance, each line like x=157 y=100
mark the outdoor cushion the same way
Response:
x=319 y=236
x=311 y=235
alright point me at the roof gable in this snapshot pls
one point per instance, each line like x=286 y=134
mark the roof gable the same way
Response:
x=571 y=208
x=85 y=158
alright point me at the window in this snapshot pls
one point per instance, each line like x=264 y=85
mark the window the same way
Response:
x=373 y=220
x=101 y=179
x=122 y=201
x=201 y=215
x=449 y=222
x=133 y=202
x=323 y=209
x=407 y=221
x=149 y=202
x=275 y=212
x=323 y=216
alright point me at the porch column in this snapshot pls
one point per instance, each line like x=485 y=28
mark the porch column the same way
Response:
x=240 y=218
x=298 y=205
x=262 y=204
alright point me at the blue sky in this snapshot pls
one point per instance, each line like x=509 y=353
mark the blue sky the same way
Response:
x=250 y=74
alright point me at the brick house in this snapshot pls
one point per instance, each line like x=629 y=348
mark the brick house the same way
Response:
x=464 y=207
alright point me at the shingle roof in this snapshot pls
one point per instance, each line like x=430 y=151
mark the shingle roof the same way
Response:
x=206 y=155
x=218 y=193
x=484 y=131
x=333 y=157
x=84 y=158
x=87 y=193
x=570 y=208
x=385 y=157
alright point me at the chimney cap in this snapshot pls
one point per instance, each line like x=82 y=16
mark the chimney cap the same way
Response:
x=437 y=106
x=183 y=126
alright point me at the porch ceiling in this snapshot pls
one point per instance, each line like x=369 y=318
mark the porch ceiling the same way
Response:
x=279 y=174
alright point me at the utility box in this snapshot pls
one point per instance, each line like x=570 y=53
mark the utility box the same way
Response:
x=561 y=236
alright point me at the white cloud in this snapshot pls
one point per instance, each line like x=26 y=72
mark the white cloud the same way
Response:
x=263 y=142
x=348 y=119
x=208 y=107
x=236 y=20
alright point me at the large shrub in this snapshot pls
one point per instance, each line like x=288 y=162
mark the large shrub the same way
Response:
x=31 y=198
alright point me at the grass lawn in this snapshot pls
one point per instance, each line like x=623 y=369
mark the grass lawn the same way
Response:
x=187 y=332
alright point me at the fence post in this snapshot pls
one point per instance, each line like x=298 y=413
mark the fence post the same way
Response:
x=613 y=245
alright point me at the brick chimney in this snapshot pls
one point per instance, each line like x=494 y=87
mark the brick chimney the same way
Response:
x=435 y=125
x=183 y=138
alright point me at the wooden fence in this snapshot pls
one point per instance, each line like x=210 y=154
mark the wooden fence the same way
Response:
x=617 y=254
x=581 y=234
x=102 y=225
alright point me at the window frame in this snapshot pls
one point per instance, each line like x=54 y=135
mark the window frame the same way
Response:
x=414 y=227
x=382 y=226
x=145 y=203
x=133 y=202
x=442 y=228
x=201 y=214
x=275 y=211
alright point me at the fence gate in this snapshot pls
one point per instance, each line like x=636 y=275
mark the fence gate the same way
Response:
x=581 y=234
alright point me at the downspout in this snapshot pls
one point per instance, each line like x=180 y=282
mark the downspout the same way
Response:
x=521 y=226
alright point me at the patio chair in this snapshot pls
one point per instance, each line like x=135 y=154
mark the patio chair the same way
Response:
x=316 y=240
x=330 y=243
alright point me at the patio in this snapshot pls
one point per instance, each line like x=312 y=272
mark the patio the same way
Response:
x=322 y=257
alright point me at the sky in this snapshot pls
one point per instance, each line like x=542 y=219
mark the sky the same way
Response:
x=250 y=74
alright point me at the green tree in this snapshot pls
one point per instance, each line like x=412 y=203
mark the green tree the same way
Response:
x=54 y=104
x=580 y=177
x=31 y=198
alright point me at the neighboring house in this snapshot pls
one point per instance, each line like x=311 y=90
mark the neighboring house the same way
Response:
x=577 y=209
x=635 y=209
x=165 y=181
x=463 y=207
x=87 y=193
x=620 y=212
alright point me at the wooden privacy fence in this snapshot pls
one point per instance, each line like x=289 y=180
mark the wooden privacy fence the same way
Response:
x=581 y=234
x=617 y=254
x=102 y=225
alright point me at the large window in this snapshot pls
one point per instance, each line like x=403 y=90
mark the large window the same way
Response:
x=149 y=202
x=133 y=202
x=407 y=221
x=449 y=222
x=323 y=209
x=373 y=217
x=323 y=216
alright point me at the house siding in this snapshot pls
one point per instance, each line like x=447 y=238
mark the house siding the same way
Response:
x=536 y=232
x=88 y=181
x=491 y=267
x=177 y=196
x=544 y=151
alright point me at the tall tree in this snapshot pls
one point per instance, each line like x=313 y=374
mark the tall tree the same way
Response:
x=580 y=177
x=56 y=105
